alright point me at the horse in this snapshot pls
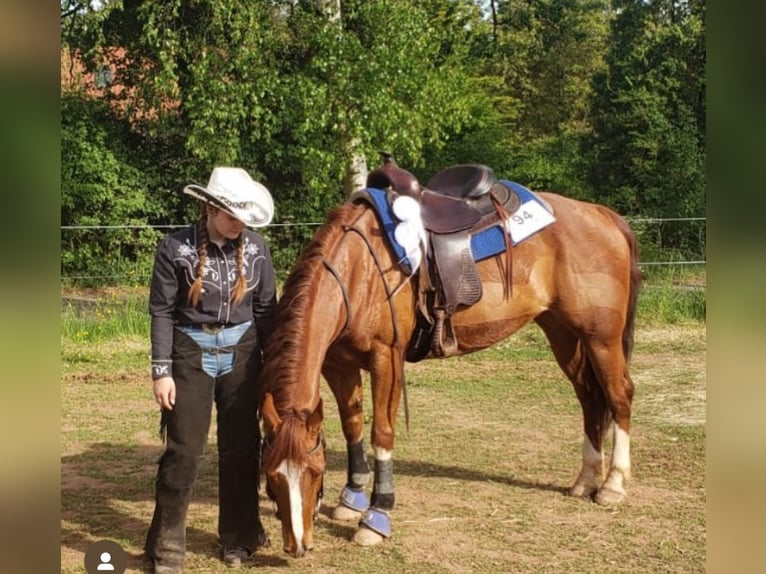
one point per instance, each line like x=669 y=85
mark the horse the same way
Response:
x=351 y=303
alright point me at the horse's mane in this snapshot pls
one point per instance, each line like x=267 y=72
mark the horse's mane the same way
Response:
x=284 y=350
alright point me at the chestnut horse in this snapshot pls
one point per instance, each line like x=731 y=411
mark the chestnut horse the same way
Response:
x=349 y=305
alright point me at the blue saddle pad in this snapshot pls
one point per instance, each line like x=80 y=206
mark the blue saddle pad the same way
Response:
x=485 y=244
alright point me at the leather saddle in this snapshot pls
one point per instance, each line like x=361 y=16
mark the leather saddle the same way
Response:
x=456 y=203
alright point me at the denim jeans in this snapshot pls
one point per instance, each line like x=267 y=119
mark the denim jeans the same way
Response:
x=234 y=358
x=217 y=348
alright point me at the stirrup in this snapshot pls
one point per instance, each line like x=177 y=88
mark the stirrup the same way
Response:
x=354 y=499
x=443 y=343
x=378 y=521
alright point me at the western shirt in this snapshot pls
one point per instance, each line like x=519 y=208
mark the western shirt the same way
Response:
x=175 y=269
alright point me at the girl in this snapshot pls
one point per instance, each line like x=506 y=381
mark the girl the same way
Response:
x=212 y=304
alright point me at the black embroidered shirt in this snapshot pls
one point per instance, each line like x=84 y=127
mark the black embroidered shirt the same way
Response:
x=175 y=268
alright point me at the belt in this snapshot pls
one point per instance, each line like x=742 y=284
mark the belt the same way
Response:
x=219 y=350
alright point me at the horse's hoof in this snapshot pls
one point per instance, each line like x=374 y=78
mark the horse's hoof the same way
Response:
x=345 y=513
x=609 y=497
x=366 y=537
x=582 y=491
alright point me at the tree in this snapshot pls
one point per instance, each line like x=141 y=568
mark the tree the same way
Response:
x=537 y=59
x=648 y=146
x=101 y=185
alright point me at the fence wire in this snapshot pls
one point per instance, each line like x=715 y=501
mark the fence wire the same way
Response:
x=642 y=223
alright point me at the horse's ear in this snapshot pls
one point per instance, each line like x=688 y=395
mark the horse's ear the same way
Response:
x=271 y=420
x=314 y=422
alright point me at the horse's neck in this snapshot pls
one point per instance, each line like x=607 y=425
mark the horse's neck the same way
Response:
x=338 y=295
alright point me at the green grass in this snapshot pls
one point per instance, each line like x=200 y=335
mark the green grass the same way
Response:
x=106 y=318
x=672 y=295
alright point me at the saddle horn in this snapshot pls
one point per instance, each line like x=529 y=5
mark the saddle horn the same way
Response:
x=390 y=175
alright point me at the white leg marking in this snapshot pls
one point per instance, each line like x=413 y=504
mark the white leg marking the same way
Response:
x=613 y=489
x=621 y=452
x=590 y=456
x=382 y=454
x=591 y=471
x=292 y=474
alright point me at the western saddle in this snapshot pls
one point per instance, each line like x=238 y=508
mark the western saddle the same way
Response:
x=455 y=204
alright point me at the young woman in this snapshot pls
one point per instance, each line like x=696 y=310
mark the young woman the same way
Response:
x=212 y=303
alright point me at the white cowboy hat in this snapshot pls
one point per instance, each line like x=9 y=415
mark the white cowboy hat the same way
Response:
x=233 y=190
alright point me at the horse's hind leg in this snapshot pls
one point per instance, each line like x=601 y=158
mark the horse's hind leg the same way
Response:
x=610 y=367
x=599 y=407
x=346 y=385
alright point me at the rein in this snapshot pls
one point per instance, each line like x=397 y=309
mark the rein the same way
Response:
x=389 y=297
x=331 y=268
x=389 y=293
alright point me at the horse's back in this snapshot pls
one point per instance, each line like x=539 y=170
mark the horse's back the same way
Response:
x=595 y=258
x=575 y=267
x=599 y=226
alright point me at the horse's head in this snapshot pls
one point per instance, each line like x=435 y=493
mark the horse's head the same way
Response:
x=294 y=462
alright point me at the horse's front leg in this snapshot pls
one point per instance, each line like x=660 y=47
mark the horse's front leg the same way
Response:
x=387 y=375
x=346 y=386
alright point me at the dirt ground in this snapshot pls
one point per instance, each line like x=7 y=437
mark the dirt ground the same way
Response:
x=481 y=475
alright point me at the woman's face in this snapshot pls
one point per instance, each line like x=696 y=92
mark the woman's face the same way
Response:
x=223 y=225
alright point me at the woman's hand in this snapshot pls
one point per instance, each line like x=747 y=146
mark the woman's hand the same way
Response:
x=165 y=392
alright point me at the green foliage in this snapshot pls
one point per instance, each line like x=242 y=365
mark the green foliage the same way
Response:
x=598 y=100
x=536 y=65
x=100 y=186
x=374 y=79
x=647 y=147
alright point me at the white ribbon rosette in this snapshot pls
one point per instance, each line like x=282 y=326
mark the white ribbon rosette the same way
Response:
x=409 y=232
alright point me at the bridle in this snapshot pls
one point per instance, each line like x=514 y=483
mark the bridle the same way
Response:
x=321 y=443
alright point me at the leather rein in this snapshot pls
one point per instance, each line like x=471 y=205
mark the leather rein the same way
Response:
x=389 y=297
x=389 y=293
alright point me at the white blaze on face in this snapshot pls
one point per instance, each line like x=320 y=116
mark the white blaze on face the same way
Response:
x=292 y=474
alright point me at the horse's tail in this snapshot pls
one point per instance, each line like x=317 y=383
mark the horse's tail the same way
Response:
x=636 y=277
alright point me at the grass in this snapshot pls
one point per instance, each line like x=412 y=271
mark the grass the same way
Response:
x=668 y=296
x=100 y=317
x=673 y=295
x=481 y=474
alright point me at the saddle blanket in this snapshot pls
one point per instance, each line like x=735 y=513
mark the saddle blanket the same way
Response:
x=532 y=216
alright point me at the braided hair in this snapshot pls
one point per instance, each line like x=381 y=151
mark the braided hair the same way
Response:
x=240 y=286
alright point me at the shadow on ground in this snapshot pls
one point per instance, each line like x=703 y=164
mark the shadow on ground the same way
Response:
x=99 y=486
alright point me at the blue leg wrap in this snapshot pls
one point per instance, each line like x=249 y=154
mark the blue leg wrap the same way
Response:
x=378 y=521
x=354 y=499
